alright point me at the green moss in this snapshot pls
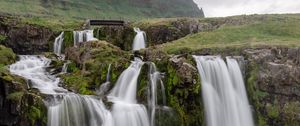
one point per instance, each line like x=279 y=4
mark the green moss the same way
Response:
x=78 y=83
x=291 y=113
x=2 y=37
x=34 y=113
x=273 y=110
x=34 y=109
x=16 y=96
x=7 y=56
x=255 y=95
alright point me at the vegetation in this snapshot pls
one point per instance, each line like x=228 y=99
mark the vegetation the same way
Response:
x=270 y=30
x=7 y=56
x=78 y=9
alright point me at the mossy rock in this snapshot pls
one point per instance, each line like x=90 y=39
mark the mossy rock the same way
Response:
x=7 y=56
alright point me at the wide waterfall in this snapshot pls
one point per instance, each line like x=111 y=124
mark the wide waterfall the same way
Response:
x=83 y=36
x=125 y=110
x=67 y=109
x=76 y=110
x=223 y=91
x=57 y=47
x=139 y=40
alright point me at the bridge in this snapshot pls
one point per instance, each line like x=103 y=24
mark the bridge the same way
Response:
x=95 y=22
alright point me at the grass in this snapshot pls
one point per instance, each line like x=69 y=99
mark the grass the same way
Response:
x=283 y=30
x=55 y=24
x=79 y=9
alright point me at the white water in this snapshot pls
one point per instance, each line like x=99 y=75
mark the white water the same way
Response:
x=73 y=110
x=83 y=36
x=105 y=86
x=33 y=69
x=125 y=110
x=57 y=47
x=155 y=84
x=223 y=92
x=139 y=40
x=64 y=69
x=76 y=110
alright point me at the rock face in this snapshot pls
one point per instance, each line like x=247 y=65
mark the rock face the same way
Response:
x=24 y=38
x=274 y=84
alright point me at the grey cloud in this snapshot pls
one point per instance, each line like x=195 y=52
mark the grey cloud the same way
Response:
x=220 y=8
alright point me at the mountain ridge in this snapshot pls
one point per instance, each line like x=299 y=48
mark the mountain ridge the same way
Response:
x=128 y=9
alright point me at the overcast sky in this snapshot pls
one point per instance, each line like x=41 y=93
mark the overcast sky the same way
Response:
x=221 y=8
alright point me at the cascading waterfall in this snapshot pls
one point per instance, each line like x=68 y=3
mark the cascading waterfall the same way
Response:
x=73 y=109
x=125 y=110
x=139 y=40
x=33 y=69
x=83 y=36
x=57 y=47
x=223 y=91
x=154 y=83
x=70 y=109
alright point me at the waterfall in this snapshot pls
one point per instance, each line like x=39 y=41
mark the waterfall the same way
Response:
x=73 y=109
x=125 y=110
x=223 y=92
x=32 y=68
x=64 y=69
x=76 y=110
x=83 y=36
x=57 y=47
x=154 y=83
x=105 y=86
x=139 y=40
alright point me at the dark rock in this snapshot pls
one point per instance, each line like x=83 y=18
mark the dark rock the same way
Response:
x=24 y=38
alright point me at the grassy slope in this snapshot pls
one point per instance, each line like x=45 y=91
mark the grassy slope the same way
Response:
x=82 y=9
x=273 y=30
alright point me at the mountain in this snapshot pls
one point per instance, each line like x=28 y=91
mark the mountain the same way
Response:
x=79 y=9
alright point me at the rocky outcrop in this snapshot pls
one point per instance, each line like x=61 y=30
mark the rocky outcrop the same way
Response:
x=89 y=64
x=24 y=38
x=274 y=85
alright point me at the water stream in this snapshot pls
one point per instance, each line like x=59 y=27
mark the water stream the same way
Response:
x=83 y=36
x=223 y=91
x=57 y=47
x=139 y=40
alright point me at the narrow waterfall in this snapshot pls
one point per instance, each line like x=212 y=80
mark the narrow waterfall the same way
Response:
x=73 y=109
x=64 y=69
x=125 y=110
x=223 y=92
x=57 y=47
x=139 y=40
x=105 y=86
x=155 y=83
x=83 y=36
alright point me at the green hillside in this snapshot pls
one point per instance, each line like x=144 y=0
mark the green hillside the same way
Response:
x=243 y=31
x=82 y=9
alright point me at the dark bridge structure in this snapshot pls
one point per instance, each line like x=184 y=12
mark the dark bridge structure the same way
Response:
x=97 y=22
